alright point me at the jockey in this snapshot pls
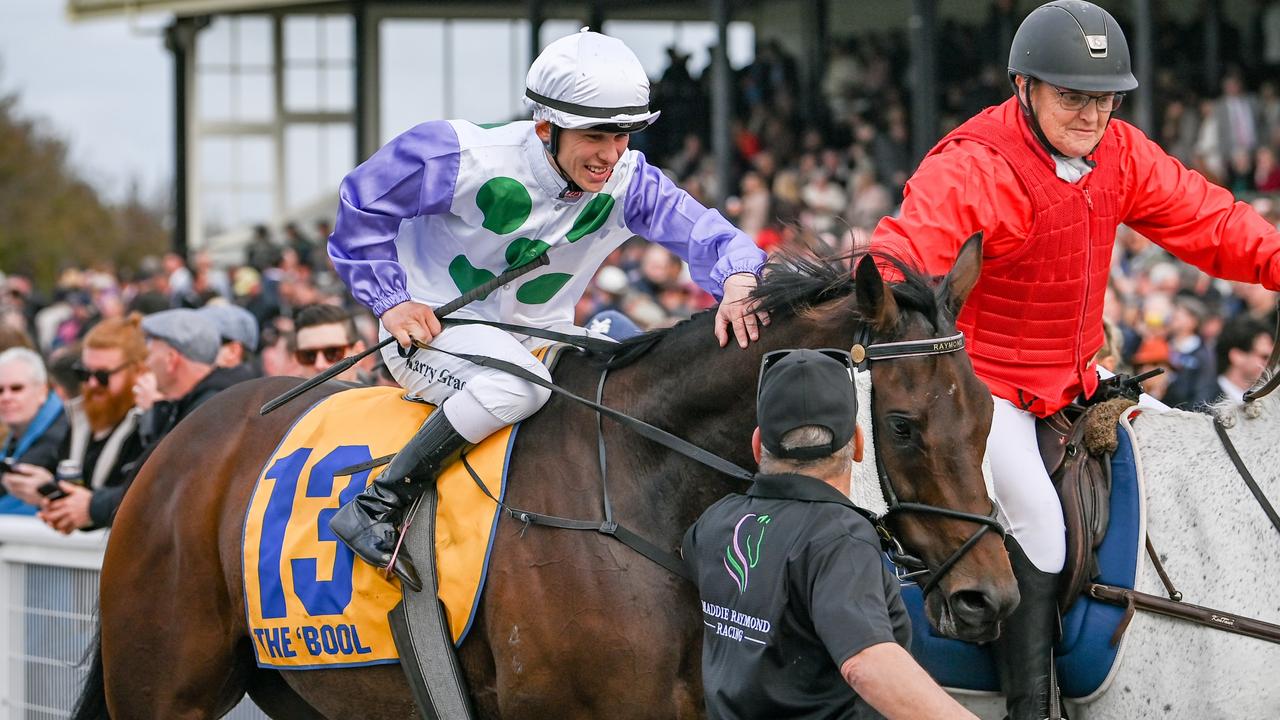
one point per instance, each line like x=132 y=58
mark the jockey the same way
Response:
x=1047 y=176
x=448 y=205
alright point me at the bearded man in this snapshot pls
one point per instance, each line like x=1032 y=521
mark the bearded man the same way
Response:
x=104 y=437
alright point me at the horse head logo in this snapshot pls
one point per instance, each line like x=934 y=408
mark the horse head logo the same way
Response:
x=743 y=552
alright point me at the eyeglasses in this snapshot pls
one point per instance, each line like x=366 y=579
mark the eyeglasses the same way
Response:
x=332 y=354
x=15 y=389
x=102 y=377
x=1077 y=101
x=773 y=358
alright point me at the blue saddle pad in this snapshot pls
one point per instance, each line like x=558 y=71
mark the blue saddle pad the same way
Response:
x=1085 y=654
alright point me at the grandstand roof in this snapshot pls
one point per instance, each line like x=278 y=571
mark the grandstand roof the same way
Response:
x=81 y=9
x=651 y=9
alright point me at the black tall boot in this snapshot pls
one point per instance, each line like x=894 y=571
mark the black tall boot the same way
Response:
x=1024 y=650
x=370 y=523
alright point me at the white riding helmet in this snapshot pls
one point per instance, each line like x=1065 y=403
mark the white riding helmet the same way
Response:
x=589 y=80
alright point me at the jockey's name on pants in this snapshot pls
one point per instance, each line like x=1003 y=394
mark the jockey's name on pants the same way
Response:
x=442 y=376
x=319 y=641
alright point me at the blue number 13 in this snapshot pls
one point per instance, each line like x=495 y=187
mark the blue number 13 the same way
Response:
x=319 y=597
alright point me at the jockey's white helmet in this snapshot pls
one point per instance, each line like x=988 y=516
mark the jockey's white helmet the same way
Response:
x=589 y=80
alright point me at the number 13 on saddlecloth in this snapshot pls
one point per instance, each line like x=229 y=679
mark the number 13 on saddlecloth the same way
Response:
x=320 y=608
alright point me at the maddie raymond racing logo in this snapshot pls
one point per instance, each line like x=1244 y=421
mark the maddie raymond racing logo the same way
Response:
x=741 y=554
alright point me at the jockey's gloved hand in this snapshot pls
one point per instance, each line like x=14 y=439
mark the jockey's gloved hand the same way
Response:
x=1121 y=385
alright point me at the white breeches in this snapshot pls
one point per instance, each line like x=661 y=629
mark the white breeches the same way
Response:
x=1023 y=490
x=477 y=400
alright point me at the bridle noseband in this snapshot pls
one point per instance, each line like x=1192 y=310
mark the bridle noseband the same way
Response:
x=863 y=353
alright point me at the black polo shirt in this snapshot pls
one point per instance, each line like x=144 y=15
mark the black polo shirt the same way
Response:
x=792 y=585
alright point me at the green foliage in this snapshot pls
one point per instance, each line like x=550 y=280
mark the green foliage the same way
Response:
x=51 y=219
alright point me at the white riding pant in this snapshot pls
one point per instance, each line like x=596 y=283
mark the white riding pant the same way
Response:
x=1023 y=490
x=477 y=400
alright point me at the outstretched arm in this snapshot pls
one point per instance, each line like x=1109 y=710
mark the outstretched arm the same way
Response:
x=659 y=211
x=964 y=189
x=722 y=259
x=892 y=682
x=1201 y=223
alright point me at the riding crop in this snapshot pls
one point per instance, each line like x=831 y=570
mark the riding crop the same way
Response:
x=476 y=293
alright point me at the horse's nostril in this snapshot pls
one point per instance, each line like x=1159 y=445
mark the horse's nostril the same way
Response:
x=972 y=605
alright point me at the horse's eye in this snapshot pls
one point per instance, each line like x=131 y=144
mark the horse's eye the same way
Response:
x=900 y=427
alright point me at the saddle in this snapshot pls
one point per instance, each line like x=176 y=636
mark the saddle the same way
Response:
x=1076 y=444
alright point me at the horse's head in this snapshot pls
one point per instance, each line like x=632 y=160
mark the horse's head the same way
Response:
x=930 y=418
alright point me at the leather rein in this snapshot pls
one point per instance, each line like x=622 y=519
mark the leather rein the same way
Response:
x=863 y=353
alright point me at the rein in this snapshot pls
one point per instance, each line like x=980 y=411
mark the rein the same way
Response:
x=1258 y=495
x=862 y=353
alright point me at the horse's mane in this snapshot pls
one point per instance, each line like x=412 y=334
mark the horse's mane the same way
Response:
x=795 y=283
x=1230 y=410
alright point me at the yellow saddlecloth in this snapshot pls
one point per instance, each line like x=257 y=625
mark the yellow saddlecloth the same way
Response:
x=310 y=602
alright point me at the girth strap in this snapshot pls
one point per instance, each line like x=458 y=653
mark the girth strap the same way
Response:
x=1244 y=473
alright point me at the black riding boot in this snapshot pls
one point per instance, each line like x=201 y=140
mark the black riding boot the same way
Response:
x=1024 y=650
x=370 y=523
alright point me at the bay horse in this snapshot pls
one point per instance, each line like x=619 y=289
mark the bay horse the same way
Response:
x=572 y=624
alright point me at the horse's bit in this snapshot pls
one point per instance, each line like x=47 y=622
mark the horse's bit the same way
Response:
x=864 y=353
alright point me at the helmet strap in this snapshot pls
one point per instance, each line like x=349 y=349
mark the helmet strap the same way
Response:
x=553 y=148
x=1029 y=112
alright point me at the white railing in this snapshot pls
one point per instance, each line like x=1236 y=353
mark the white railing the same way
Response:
x=48 y=616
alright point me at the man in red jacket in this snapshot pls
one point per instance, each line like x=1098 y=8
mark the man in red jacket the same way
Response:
x=1046 y=177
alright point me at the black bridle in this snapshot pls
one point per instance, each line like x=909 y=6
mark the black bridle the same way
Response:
x=864 y=353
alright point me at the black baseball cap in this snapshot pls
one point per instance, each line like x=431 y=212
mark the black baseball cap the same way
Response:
x=806 y=387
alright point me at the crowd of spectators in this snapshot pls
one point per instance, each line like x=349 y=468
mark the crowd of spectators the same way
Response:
x=97 y=370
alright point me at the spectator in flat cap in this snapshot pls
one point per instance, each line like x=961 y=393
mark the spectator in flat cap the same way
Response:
x=238 y=331
x=187 y=332
x=182 y=346
x=827 y=627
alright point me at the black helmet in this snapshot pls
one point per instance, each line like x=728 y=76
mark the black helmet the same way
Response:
x=1073 y=44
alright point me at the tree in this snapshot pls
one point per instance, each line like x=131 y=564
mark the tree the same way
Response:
x=51 y=219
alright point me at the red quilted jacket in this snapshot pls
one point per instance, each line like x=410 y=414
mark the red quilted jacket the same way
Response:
x=1034 y=320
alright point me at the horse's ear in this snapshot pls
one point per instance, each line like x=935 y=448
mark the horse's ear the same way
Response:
x=875 y=300
x=964 y=275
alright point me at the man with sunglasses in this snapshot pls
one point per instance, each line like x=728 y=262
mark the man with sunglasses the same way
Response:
x=1047 y=177
x=802 y=618
x=324 y=335
x=104 y=438
x=449 y=205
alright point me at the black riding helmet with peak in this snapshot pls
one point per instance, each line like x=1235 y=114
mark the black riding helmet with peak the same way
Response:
x=1070 y=44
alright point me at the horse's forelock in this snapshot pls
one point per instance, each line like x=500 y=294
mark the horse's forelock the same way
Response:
x=821 y=289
